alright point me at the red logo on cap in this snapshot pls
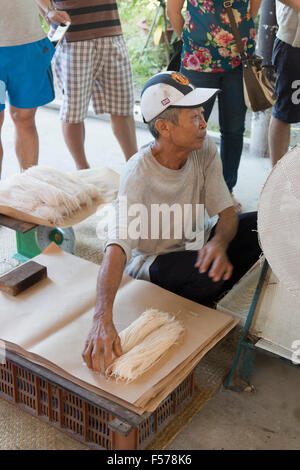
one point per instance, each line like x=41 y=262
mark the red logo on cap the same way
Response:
x=180 y=78
x=165 y=101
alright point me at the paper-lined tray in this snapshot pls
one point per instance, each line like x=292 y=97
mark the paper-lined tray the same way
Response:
x=107 y=183
x=50 y=322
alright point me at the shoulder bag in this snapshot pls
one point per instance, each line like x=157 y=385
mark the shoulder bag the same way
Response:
x=258 y=91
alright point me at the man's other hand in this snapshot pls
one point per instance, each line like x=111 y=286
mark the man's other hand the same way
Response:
x=42 y=13
x=213 y=257
x=102 y=339
x=58 y=17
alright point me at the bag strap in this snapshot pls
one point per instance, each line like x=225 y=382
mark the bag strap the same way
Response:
x=227 y=5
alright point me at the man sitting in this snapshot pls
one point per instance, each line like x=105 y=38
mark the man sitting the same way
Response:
x=180 y=171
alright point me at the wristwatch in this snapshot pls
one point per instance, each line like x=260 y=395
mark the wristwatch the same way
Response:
x=48 y=9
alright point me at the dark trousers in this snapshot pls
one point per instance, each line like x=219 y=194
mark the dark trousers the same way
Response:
x=176 y=271
x=232 y=112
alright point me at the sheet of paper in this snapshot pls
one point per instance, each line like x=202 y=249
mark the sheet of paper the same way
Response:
x=64 y=348
x=68 y=292
x=52 y=321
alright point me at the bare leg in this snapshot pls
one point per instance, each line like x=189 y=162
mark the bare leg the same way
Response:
x=74 y=135
x=26 y=136
x=1 y=148
x=279 y=139
x=124 y=129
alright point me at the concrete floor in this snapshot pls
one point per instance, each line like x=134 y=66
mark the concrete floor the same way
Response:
x=103 y=150
x=266 y=419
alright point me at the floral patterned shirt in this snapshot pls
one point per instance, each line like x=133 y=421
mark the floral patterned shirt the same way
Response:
x=208 y=42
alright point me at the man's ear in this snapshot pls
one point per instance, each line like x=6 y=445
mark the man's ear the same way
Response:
x=163 y=127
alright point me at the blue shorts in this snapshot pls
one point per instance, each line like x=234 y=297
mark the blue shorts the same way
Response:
x=26 y=75
x=287 y=62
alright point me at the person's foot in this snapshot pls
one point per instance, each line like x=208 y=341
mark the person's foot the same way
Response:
x=236 y=204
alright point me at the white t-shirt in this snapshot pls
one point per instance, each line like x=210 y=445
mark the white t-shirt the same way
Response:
x=145 y=185
x=288 y=21
x=19 y=23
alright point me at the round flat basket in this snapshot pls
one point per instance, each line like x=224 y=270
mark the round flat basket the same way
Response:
x=279 y=220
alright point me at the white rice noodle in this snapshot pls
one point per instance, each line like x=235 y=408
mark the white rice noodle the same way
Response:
x=149 y=321
x=147 y=353
x=47 y=193
x=66 y=182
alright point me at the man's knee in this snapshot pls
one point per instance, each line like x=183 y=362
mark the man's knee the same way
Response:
x=202 y=289
x=23 y=117
x=118 y=119
x=247 y=225
x=176 y=272
x=247 y=231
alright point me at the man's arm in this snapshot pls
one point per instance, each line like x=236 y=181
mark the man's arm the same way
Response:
x=174 y=8
x=254 y=7
x=292 y=3
x=214 y=252
x=53 y=16
x=103 y=336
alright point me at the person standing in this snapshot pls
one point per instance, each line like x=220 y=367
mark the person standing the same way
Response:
x=286 y=58
x=25 y=71
x=92 y=63
x=210 y=59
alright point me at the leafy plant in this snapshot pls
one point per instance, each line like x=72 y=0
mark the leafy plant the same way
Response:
x=44 y=25
x=147 y=54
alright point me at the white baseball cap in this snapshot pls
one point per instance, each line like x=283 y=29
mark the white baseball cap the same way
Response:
x=171 y=89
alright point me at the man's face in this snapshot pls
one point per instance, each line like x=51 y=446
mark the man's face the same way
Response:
x=190 y=131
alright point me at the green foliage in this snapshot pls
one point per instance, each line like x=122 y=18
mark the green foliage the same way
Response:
x=44 y=25
x=145 y=61
x=145 y=64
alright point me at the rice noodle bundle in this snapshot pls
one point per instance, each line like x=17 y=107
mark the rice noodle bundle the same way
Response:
x=70 y=184
x=48 y=193
x=144 y=325
x=144 y=355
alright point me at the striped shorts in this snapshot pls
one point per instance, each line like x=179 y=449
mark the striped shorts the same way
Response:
x=98 y=70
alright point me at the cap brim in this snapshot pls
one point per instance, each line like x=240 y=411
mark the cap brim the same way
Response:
x=197 y=97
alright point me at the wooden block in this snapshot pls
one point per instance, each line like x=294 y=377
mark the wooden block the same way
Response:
x=14 y=224
x=22 y=277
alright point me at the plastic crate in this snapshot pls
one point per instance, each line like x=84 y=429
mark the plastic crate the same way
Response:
x=74 y=412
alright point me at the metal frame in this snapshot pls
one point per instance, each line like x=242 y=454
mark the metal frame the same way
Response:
x=239 y=377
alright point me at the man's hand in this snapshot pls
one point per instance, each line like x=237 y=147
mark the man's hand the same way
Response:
x=58 y=17
x=102 y=338
x=54 y=16
x=214 y=254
